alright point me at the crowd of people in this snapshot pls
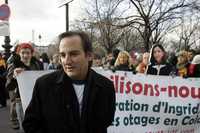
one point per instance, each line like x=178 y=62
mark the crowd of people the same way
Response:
x=156 y=62
x=22 y=58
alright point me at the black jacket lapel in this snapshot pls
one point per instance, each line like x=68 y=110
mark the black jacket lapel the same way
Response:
x=70 y=102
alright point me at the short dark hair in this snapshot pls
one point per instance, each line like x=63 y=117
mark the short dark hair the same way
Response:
x=115 y=53
x=86 y=43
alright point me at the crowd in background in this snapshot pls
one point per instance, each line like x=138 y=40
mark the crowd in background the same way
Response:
x=156 y=62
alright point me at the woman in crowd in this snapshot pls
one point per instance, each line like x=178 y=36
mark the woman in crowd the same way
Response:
x=24 y=62
x=194 y=69
x=55 y=63
x=182 y=64
x=124 y=62
x=141 y=68
x=158 y=64
x=45 y=60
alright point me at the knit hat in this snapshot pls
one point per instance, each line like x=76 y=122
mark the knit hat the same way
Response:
x=24 y=46
x=196 y=59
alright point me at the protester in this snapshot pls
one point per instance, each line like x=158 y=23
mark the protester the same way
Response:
x=38 y=62
x=194 y=70
x=115 y=53
x=138 y=58
x=190 y=55
x=97 y=61
x=124 y=62
x=172 y=60
x=14 y=57
x=158 y=64
x=36 y=58
x=55 y=64
x=182 y=64
x=24 y=62
x=45 y=60
x=72 y=100
x=141 y=68
x=3 y=94
x=107 y=61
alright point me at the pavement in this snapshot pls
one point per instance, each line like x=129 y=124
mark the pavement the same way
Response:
x=5 y=123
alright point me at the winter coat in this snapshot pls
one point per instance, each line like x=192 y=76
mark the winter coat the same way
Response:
x=11 y=83
x=163 y=69
x=124 y=67
x=194 y=68
x=182 y=70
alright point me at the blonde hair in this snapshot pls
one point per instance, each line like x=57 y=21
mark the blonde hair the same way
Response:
x=130 y=62
x=183 y=54
x=146 y=54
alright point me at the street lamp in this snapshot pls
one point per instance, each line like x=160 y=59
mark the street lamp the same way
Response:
x=66 y=3
x=67 y=16
x=40 y=43
x=7 y=45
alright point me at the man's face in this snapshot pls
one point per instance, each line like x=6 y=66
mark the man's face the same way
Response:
x=25 y=55
x=109 y=56
x=73 y=58
x=97 y=62
x=190 y=56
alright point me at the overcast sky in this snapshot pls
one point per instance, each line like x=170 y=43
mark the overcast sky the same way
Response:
x=42 y=16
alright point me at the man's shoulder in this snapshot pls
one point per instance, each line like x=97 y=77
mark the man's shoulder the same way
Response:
x=50 y=77
x=100 y=79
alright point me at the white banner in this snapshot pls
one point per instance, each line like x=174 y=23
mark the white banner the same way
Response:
x=26 y=81
x=145 y=104
x=4 y=28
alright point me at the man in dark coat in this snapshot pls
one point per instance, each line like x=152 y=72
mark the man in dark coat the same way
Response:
x=72 y=100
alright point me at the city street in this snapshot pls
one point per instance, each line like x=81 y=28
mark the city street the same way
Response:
x=100 y=66
x=4 y=121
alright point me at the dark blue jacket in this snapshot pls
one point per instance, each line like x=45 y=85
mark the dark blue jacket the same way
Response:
x=163 y=69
